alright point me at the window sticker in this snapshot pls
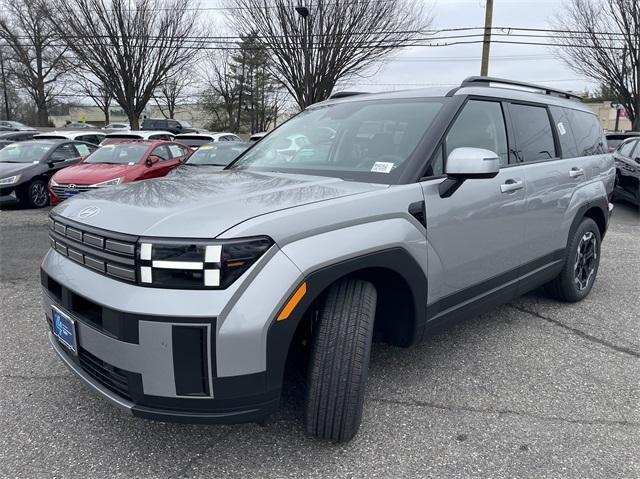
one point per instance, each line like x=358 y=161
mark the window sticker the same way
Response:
x=562 y=129
x=382 y=167
x=83 y=149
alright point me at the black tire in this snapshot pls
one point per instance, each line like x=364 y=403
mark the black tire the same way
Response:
x=35 y=194
x=574 y=281
x=339 y=362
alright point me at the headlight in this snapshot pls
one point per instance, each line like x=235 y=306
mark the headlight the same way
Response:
x=114 y=182
x=53 y=182
x=197 y=264
x=10 y=180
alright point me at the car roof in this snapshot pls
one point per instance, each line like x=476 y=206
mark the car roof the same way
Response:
x=488 y=87
x=66 y=135
x=138 y=133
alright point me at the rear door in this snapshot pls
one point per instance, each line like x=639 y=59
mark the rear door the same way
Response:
x=557 y=147
x=474 y=236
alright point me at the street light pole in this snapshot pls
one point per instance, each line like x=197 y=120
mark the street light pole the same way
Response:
x=486 y=44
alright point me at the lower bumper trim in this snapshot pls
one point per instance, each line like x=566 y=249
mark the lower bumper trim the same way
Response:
x=96 y=387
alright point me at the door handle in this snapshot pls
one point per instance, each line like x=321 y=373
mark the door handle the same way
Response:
x=510 y=186
x=576 y=172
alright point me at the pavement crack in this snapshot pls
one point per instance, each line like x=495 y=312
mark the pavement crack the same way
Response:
x=196 y=457
x=504 y=412
x=579 y=332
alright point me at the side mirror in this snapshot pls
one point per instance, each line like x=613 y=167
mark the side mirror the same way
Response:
x=468 y=163
x=151 y=160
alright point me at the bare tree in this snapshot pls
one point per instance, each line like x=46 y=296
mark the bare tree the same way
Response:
x=91 y=87
x=314 y=47
x=173 y=92
x=222 y=89
x=601 y=39
x=129 y=45
x=5 y=84
x=39 y=61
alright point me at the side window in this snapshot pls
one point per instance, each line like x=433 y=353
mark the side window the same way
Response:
x=64 y=152
x=83 y=149
x=480 y=125
x=162 y=152
x=627 y=149
x=534 y=136
x=562 y=120
x=588 y=133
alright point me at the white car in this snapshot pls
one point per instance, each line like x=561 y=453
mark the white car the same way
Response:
x=117 y=126
x=94 y=137
x=258 y=136
x=196 y=140
x=137 y=135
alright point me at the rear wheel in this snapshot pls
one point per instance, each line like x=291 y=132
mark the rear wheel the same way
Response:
x=581 y=265
x=35 y=194
x=339 y=361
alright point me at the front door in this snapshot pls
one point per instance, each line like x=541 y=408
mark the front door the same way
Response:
x=474 y=236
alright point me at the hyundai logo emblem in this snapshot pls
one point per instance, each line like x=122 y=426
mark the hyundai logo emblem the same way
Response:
x=72 y=187
x=88 y=212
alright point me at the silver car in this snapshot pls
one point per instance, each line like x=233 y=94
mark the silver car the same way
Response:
x=182 y=298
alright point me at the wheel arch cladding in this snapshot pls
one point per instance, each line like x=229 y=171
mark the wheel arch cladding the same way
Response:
x=401 y=311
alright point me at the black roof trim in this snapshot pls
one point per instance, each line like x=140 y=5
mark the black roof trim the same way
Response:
x=345 y=94
x=475 y=80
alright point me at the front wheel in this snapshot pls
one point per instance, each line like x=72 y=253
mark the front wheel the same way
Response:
x=581 y=265
x=35 y=194
x=339 y=362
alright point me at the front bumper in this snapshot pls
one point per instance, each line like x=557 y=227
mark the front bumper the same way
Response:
x=9 y=196
x=176 y=355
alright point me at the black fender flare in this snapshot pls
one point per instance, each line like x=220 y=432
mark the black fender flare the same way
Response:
x=398 y=259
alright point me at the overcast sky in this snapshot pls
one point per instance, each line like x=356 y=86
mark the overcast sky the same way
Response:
x=448 y=65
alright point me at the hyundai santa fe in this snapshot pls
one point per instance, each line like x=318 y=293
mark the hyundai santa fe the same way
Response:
x=181 y=298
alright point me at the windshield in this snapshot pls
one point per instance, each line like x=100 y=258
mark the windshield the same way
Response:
x=185 y=124
x=121 y=154
x=220 y=155
x=363 y=140
x=24 y=152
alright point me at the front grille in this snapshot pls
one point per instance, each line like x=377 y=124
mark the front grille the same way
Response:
x=111 y=254
x=67 y=191
x=111 y=377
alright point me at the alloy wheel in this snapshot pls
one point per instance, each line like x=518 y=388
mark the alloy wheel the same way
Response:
x=586 y=260
x=39 y=196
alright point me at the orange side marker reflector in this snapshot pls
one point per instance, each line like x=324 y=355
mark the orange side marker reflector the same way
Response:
x=293 y=302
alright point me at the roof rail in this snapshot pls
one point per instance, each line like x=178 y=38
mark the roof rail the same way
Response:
x=471 y=81
x=344 y=94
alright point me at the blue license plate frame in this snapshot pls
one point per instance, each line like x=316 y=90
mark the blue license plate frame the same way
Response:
x=64 y=329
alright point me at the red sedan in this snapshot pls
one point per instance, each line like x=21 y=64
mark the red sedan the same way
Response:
x=116 y=164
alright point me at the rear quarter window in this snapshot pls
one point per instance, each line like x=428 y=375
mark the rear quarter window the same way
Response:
x=587 y=132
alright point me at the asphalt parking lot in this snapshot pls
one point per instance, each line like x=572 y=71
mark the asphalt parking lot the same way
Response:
x=532 y=389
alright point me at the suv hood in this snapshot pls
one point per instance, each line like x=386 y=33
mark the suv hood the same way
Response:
x=91 y=173
x=201 y=207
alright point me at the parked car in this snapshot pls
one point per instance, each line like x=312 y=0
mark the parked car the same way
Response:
x=258 y=136
x=212 y=157
x=8 y=138
x=27 y=166
x=133 y=135
x=116 y=164
x=94 y=137
x=117 y=126
x=195 y=140
x=627 y=161
x=174 y=126
x=78 y=125
x=15 y=126
x=193 y=291
x=614 y=139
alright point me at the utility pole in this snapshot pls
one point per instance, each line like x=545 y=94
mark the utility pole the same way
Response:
x=486 y=44
x=306 y=52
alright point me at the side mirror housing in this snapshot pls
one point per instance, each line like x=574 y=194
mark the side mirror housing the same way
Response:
x=468 y=163
x=151 y=160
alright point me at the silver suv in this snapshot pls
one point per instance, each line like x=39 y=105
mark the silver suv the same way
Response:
x=180 y=299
